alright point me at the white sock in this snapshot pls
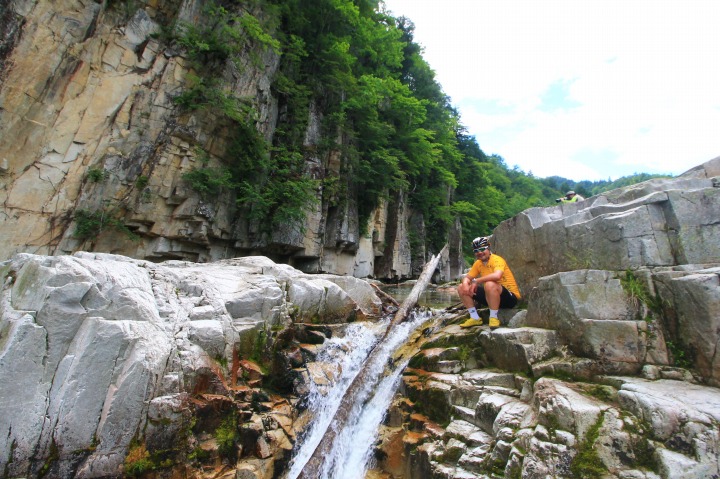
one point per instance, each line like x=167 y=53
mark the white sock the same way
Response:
x=493 y=313
x=473 y=313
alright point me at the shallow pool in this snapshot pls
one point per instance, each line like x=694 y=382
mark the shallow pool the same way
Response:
x=431 y=297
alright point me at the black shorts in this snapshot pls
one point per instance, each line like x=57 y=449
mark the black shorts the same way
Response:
x=507 y=299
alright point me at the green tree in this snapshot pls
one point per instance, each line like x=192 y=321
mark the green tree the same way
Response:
x=382 y=112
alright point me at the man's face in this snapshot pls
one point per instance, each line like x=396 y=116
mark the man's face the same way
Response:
x=482 y=253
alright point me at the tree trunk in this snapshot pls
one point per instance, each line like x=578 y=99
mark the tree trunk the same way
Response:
x=313 y=466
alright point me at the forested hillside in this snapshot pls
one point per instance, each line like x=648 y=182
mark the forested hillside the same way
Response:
x=404 y=132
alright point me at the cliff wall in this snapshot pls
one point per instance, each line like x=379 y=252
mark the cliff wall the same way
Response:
x=94 y=141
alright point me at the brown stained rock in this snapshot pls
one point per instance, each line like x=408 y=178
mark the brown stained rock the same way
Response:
x=434 y=430
x=418 y=421
x=309 y=350
x=393 y=452
x=279 y=440
x=262 y=448
x=251 y=431
x=397 y=414
x=412 y=438
x=252 y=369
x=263 y=406
x=295 y=357
x=313 y=337
x=282 y=407
x=285 y=423
x=242 y=393
x=254 y=468
x=217 y=401
x=323 y=374
x=375 y=474
x=433 y=352
x=225 y=473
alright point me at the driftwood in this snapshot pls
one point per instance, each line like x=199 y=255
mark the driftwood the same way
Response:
x=386 y=298
x=312 y=468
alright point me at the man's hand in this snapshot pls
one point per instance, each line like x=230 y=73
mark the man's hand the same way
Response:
x=467 y=286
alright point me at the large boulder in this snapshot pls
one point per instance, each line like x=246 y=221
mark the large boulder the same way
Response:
x=504 y=424
x=660 y=222
x=599 y=315
x=99 y=348
x=690 y=302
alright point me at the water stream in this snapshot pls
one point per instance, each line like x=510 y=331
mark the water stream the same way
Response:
x=352 y=448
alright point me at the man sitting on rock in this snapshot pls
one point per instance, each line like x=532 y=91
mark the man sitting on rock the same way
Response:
x=499 y=289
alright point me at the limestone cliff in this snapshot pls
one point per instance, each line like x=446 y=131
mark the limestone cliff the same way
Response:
x=93 y=139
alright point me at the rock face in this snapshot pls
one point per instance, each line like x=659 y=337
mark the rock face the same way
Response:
x=610 y=372
x=667 y=232
x=99 y=350
x=565 y=397
x=662 y=222
x=90 y=125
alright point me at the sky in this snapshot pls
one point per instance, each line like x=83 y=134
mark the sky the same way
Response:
x=583 y=89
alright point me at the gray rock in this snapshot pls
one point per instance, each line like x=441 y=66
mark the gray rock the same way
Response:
x=655 y=223
x=518 y=349
x=107 y=345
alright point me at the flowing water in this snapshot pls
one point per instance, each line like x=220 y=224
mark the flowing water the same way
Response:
x=352 y=448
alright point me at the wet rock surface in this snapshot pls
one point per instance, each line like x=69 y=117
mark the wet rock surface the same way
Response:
x=500 y=418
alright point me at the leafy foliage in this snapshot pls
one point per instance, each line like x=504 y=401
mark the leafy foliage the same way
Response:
x=358 y=69
x=89 y=224
x=638 y=292
x=223 y=36
x=96 y=175
x=209 y=181
x=139 y=461
x=268 y=182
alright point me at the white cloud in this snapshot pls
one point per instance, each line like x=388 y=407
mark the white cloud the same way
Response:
x=639 y=80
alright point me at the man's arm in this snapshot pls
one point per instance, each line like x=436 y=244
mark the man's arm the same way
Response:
x=494 y=276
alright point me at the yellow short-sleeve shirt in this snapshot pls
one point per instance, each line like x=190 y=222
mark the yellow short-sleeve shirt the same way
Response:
x=495 y=263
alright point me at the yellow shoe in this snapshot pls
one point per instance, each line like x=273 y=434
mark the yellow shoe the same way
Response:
x=494 y=323
x=471 y=322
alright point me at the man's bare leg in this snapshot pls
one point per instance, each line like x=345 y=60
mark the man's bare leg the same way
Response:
x=466 y=293
x=492 y=295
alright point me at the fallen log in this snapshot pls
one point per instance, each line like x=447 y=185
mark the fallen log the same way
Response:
x=312 y=468
x=384 y=297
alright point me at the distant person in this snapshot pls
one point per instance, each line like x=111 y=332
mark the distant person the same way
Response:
x=570 y=197
x=488 y=283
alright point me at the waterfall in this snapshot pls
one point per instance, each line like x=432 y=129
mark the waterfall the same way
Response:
x=352 y=448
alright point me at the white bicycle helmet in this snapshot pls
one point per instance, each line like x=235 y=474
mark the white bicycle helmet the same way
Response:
x=480 y=242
